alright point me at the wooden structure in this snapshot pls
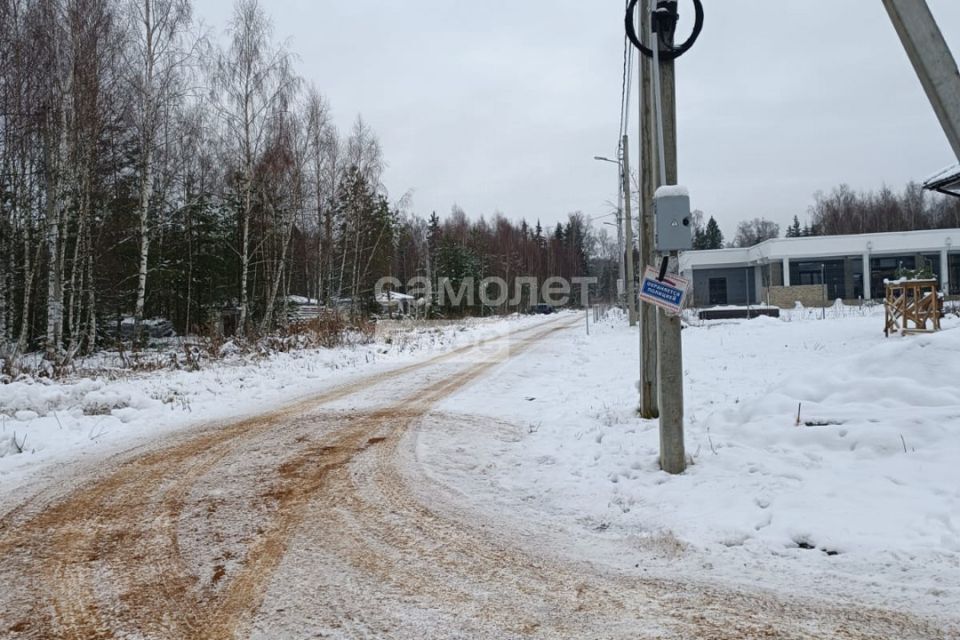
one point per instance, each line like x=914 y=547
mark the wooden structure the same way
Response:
x=913 y=306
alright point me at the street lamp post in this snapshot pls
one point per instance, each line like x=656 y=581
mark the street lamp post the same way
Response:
x=620 y=245
x=823 y=283
x=618 y=297
x=625 y=228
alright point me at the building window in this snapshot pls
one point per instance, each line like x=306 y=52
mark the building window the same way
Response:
x=718 y=291
x=932 y=260
x=831 y=272
x=887 y=268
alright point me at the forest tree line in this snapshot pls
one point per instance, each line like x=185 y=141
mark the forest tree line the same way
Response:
x=148 y=171
x=844 y=211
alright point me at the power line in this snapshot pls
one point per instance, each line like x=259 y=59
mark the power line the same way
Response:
x=625 y=87
x=625 y=125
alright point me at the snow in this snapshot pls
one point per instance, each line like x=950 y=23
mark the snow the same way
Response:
x=734 y=307
x=54 y=422
x=393 y=296
x=862 y=497
x=948 y=171
x=906 y=279
x=858 y=500
x=672 y=191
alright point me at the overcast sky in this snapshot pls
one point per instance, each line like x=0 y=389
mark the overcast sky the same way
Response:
x=500 y=105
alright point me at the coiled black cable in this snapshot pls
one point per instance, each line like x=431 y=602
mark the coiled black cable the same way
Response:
x=670 y=53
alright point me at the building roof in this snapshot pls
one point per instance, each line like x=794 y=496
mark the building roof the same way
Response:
x=947 y=181
x=393 y=297
x=898 y=243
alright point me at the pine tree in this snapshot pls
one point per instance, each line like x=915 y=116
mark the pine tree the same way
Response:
x=433 y=233
x=712 y=236
x=699 y=237
x=794 y=231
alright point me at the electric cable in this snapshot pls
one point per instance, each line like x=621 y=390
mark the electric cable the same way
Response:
x=623 y=89
x=671 y=52
x=627 y=50
x=627 y=99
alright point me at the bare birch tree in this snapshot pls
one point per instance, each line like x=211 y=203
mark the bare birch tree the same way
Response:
x=158 y=53
x=323 y=148
x=249 y=81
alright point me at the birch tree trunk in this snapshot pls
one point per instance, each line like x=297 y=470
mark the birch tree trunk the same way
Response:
x=286 y=232
x=6 y=242
x=146 y=194
x=29 y=271
x=54 y=266
x=159 y=25
x=91 y=295
x=245 y=254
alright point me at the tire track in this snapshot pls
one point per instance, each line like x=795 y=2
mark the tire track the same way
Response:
x=314 y=521
x=106 y=558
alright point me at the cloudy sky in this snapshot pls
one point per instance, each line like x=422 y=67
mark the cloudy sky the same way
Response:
x=500 y=105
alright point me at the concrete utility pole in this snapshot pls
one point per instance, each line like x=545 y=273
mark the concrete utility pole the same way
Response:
x=648 y=185
x=932 y=60
x=625 y=171
x=669 y=339
x=622 y=267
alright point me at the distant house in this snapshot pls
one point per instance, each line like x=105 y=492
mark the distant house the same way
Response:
x=819 y=269
x=301 y=309
x=393 y=303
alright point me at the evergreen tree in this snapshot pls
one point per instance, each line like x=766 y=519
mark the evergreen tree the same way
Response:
x=699 y=239
x=433 y=232
x=712 y=236
x=456 y=263
x=365 y=238
x=794 y=231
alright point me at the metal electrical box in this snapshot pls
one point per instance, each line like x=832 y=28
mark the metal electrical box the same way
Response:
x=671 y=212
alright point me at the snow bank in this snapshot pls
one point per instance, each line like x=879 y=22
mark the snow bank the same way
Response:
x=868 y=483
x=62 y=420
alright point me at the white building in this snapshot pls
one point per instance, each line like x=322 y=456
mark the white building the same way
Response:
x=819 y=269
x=393 y=302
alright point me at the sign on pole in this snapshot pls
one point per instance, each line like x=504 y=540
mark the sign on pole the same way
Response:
x=667 y=294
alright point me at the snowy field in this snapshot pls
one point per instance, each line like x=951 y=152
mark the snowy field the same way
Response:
x=44 y=422
x=860 y=500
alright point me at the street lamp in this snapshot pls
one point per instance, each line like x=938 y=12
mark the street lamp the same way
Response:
x=946 y=267
x=823 y=283
x=620 y=246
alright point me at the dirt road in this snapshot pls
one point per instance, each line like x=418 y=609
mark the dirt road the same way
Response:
x=313 y=521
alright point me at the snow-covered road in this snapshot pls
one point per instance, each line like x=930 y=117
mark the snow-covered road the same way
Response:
x=343 y=515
